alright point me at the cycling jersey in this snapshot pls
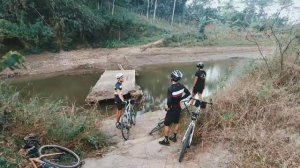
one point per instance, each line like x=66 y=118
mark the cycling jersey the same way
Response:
x=118 y=86
x=176 y=93
x=201 y=74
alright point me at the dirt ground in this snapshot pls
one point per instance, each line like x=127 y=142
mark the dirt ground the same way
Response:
x=144 y=151
x=133 y=57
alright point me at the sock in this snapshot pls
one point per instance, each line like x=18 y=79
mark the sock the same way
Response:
x=166 y=138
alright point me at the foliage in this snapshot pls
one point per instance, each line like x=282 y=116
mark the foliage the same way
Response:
x=54 y=121
x=12 y=60
x=258 y=117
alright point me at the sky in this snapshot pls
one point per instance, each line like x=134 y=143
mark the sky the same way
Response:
x=293 y=13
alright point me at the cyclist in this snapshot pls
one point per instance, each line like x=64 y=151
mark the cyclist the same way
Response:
x=176 y=93
x=199 y=80
x=119 y=99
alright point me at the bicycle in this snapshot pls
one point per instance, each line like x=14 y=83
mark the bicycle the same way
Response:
x=161 y=124
x=188 y=136
x=128 y=119
x=50 y=156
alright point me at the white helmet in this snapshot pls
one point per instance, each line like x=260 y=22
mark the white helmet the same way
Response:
x=119 y=75
x=176 y=75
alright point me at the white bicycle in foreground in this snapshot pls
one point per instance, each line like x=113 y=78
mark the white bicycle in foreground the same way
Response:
x=189 y=133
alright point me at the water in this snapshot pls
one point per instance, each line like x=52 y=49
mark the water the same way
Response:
x=154 y=81
x=73 y=88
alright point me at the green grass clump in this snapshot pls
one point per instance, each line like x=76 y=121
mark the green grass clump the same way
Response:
x=55 y=122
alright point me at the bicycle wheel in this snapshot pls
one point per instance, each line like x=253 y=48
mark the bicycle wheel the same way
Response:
x=159 y=126
x=133 y=118
x=68 y=159
x=185 y=144
x=125 y=128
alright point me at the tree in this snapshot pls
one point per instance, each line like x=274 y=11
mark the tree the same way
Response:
x=173 y=12
x=113 y=8
x=154 y=13
x=148 y=6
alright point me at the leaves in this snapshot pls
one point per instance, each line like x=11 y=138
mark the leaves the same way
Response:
x=12 y=60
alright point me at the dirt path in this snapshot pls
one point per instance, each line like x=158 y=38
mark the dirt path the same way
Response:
x=144 y=151
x=134 y=57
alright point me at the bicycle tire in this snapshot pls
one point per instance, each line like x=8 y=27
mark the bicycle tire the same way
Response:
x=133 y=117
x=159 y=126
x=184 y=147
x=75 y=165
x=125 y=129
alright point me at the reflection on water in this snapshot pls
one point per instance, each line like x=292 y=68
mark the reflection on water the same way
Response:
x=74 y=88
x=154 y=81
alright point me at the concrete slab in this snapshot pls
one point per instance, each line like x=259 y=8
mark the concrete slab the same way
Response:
x=104 y=88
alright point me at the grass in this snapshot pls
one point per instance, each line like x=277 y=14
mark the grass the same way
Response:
x=259 y=117
x=55 y=122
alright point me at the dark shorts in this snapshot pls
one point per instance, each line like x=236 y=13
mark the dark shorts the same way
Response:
x=172 y=116
x=197 y=90
x=118 y=102
x=120 y=105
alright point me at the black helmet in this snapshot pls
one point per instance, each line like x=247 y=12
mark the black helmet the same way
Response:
x=200 y=65
x=176 y=75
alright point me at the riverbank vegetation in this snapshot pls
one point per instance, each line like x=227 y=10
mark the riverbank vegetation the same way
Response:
x=257 y=117
x=39 y=25
x=55 y=122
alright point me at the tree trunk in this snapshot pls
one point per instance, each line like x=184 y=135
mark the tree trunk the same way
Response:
x=113 y=8
x=155 y=6
x=148 y=9
x=173 y=12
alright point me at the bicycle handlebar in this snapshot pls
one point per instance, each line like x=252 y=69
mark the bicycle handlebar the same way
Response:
x=201 y=101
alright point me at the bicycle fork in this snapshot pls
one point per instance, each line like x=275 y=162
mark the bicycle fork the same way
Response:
x=191 y=127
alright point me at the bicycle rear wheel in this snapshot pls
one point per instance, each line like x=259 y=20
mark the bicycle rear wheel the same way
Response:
x=68 y=158
x=185 y=144
x=125 y=128
x=159 y=126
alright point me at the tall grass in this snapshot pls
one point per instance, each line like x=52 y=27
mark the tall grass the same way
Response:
x=54 y=121
x=259 y=117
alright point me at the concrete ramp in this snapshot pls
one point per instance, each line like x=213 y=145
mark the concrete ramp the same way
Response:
x=104 y=88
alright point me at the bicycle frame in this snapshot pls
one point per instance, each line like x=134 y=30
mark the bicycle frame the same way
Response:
x=128 y=110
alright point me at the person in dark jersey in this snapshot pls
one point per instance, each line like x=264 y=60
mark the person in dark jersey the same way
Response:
x=119 y=99
x=176 y=93
x=199 y=81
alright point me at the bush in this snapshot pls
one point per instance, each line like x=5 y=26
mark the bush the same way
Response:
x=259 y=118
x=54 y=121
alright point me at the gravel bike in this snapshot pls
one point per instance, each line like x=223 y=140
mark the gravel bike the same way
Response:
x=188 y=136
x=50 y=156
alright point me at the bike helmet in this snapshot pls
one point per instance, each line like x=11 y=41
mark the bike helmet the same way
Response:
x=200 y=65
x=176 y=75
x=119 y=75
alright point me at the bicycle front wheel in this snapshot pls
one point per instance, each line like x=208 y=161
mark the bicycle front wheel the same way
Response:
x=125 y=128
x=133 y=118
x=185 y=144
x=67 y=158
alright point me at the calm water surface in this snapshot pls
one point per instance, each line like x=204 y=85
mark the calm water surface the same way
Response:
x=154 y=81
